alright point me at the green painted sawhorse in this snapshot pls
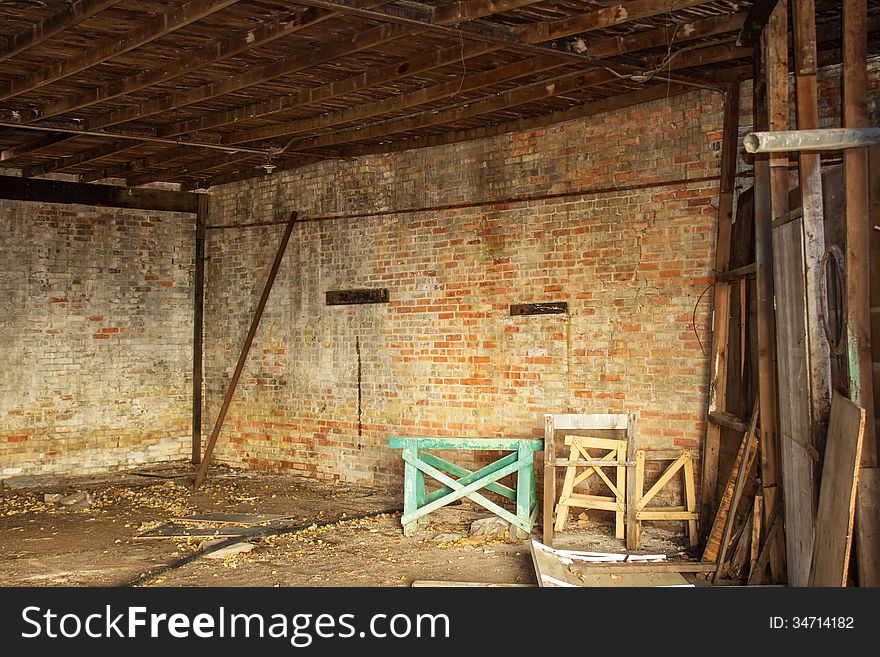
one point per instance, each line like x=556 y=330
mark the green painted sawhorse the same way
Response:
x=418 y=463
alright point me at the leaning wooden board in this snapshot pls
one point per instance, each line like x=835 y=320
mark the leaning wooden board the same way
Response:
x=837 y=494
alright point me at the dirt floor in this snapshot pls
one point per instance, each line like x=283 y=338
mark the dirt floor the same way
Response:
x=46 y=543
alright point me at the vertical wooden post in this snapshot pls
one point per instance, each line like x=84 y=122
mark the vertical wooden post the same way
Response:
x=524 y=482
x=766 y=320
x=245 y=350
x=858 y=283
x=549 y=478
x=721 y=309
x=858 y=229
x=810 y=173
x=795 y=426
x=198 y=328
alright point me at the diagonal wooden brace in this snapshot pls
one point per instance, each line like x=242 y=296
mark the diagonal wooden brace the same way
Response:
x=469 y=490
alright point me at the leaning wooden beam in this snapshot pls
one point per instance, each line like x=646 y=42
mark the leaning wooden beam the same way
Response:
x=721 y=308
x=399 y=102
x=468 y=10
x=245 y=350
x=759 y=15
x=810 y=175
x=602 y=18
x=795 y=433
x=13 y=153
x=821 y=139
x=767 y=388
x=371 y=78
x=187 y=62
x=837 y=499
x=354 y=43
x=68 y=18
x=56 y=191
x=165 y=23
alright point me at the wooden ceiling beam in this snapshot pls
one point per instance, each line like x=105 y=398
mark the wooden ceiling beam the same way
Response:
x=68 y=161
x=14 y=188
x=370 y=78
x=400 y=102
x=257 y=75
x=66 y=19
x=603 y=18
x=468 y=10
x=756 y=21
x=662 y=37
x=189 y=62
x=165 y=23
x=13 y=153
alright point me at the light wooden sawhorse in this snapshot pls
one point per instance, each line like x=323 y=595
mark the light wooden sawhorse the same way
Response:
x=681 y=460
x=419 y=462
x=592 y=425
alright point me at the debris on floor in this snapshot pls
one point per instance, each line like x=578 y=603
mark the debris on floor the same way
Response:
x=229 y=550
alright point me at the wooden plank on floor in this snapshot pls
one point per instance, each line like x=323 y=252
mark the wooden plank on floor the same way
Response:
x=173 y=530
x=837 y=495
x=549 y=570
x=439 y=584
x=245 y=519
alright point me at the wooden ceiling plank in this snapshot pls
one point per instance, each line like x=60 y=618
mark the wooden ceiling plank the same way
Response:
x=189 y=62
x=759 y=14
x=257 y=75
x=13 y=153
x=664 y=36
x=468 y=10
x=654 y=92
x=400 y=102
x=139 y=164
x=535 y=92
x=165 y=23
x=197 y=166
x=66 y=19
x=65 y=162
x=370 y=78
x=602 y=18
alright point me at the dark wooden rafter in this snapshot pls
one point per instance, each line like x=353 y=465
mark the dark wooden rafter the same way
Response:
x=663 y=37
x=13 y=153
x=67 y=18
x=472 y=82
x=165 y=23
x=57 y=191
x=188 y=62
x=356 y=42
x=373 y=77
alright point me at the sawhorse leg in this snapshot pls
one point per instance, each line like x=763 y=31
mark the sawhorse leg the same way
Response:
x=525 y=485
x=413 y=480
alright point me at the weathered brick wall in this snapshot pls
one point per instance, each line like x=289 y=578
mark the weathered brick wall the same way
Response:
x=327 y=386
x=96 y=336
